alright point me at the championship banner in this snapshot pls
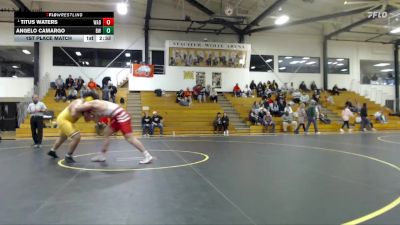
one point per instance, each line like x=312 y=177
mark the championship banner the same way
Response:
x=207 y=54
x=143 y=70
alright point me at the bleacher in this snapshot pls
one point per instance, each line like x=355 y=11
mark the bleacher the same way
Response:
x=86 y=129
x=182 y=120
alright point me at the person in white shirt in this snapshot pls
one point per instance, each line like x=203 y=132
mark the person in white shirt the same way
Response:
x=247 y=91
x=72 y=94
x=36 y=110
x=59 y=82
x=346 y=114
x=296 y=96
x=304 y=98
x=380 y=117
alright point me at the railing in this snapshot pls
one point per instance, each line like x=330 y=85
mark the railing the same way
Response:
x=372 y=92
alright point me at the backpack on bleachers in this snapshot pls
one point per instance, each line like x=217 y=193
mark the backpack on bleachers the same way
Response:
x=158 y=92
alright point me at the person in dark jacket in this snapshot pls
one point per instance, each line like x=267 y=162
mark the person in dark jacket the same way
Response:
x=253 y=86
x=312 y=117
x=147 y=127
x=105 y=81
x=113 y=91
x=225 y=124
x=60 y=94
x=69 y=82
x=218 y=125
x=364 y=118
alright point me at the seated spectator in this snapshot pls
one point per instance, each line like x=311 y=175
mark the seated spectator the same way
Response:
x=296 y=95
x=291 y=88
x=261 y=114
x=157 y=121
x=225 y=124
x=335 y=90
x=69 y=82
x=79 y=83
x=72 y=94
x=275 y=86
x=247 y=91
x=281 y=105
x=274 y=109
x=201 y=97
x=218 y=125
x=268 y=122
x=253 y=118
x=101 y=125
x=92 y=85
x=324 y=118
x=59 y=82
x=380 y=117
x=106 y=93
x=303 y=87
x=287 y=119
x=187 y=93
x=329 y=100
x=196 y=90
x=60 y=95
x=316 y=96
x=113 y=91
x=147 y=128
x=84 y=90
x=313 y=86
x=301 y=118
x=285 y=87
x=213 y=96
x=207 y=92
x=183 y=101
x=237 y=92
x=304 y=98
x=260 y=89
x=288 y=109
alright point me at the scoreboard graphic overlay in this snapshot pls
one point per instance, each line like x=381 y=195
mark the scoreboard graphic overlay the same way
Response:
x=63 y=26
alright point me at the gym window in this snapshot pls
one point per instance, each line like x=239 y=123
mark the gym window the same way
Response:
x=157 y=59
x=338 y=66
x=95 y=57
x=262 y=63
x=298 y=64
x=377 y=72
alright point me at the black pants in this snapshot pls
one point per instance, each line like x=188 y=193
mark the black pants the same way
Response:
x=346 y=123
x=37 y=129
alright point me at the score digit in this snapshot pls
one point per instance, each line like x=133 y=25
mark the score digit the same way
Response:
x=108 y=21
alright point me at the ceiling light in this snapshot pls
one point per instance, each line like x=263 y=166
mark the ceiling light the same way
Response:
x=14 y=76
x=302 y=61
x=280 y=20
x=280 y=61
x=306 y=58
x=26 y=51
x=395 y=30
x=78 y=53
x=122 y=8
x=382 y=64
x=15 y=67
x=87 y=63
x=387 y=70
x=282 y=68
x=253 y=67
x=334 y=63
x=288 y=57
x=268 y=60
x=339 y=60
x=128 y=63
x=127 y=54
x=329 y=62
x=339 y=64
x=310 y=63
x=343 y=70
x=294 y=62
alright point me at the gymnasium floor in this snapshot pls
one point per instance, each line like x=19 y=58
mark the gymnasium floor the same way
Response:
x=283 y=179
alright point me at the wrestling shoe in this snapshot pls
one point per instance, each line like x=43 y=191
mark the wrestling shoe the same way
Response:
x=53 y=154
x=98 y=158
x=341 y=131
x=69 y=159
x=147 y=159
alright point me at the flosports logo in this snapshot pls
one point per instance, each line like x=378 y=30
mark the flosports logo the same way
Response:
x=377 y=14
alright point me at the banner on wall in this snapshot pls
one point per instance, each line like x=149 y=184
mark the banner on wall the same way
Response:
x=207 y=54
x=143 y=70
x=216 y=80
x=188 y=75
x=201 y=78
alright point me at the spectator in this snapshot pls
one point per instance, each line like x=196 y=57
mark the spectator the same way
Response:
x=380 y=117
x=218 y=124
x=201 y=97
x=260 y=89
x=237 y=92
x=346 y=114
x=316 y=96
x=253 y=117
x=69 y=82
x=329 y=100
x=303 y=87
x=253 y=86
x=313 y=86
x=213 y=96
x=113 y=91
x=225 y=123
x=147 y=128
x=84 y=90
x=285 y=87
x=60 y=94
x=72 y=94
x=287 y=120
x=106 y=93
x=301 y=117
x=157 y=121
x=324 y=118
x=92 y=85
x=59 y=82
x=296 y=95
x=247 y=91
x=281 y=106
x=274 y=86
x=268 y=122
x=188 y=94
x=274 y=110
x=312 y=117
x=291 y=88
x=207 y=92
x=304 y=98
x=183 y=101
x=105 y=81
x=335 y=90
x=288 y=109
x=196 y=91
x=79 y=83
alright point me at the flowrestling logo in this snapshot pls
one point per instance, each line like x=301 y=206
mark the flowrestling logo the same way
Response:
x=377 y=14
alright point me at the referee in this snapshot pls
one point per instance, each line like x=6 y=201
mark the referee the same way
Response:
x=36 y=110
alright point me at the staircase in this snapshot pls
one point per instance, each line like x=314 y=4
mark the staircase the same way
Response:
x=233 y=115
x=134 y=107
x=333 y=116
